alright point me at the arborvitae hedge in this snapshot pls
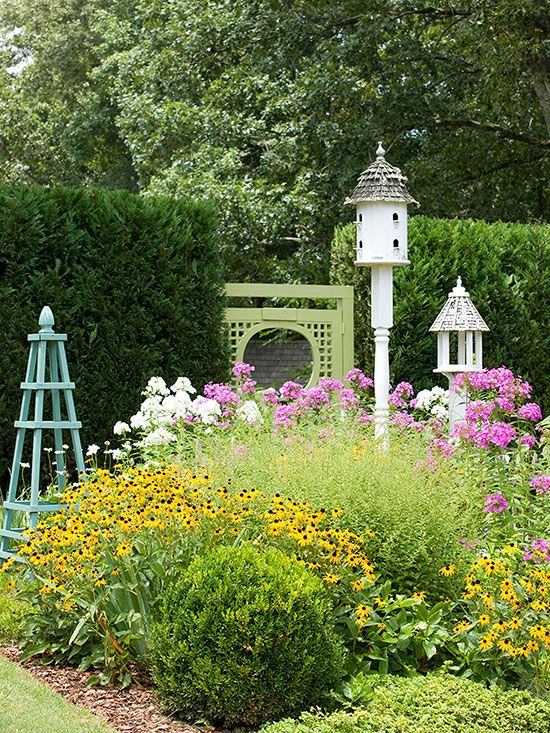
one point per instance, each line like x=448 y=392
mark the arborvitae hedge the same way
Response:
x=504 y=267
x=134 y=281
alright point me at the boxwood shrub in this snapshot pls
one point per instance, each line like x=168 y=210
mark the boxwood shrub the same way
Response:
x=426 y=704
x=243 y=638
x=134 y=281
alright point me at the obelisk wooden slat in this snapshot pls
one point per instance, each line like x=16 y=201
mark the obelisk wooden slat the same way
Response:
x=47 y=376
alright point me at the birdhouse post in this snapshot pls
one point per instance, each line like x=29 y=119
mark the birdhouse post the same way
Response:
x=381 y=201
x=459 y=329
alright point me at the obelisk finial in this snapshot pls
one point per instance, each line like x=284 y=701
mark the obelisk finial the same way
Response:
x=46 y=320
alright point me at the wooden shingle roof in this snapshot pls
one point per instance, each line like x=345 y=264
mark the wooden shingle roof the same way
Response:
x=381 y=182
x=459 y=313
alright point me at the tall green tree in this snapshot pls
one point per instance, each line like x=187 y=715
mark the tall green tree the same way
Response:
x=272 y=109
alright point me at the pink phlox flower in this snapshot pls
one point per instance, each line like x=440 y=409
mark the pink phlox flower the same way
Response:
x=248 y=386
x=441 y=447
x=356 y=375
x=331 y=384
x=270 y=396
x=242 y=370
x=314 y=398
x=527 y=439
x=364 y=418
x=479 y=410
x=401 y=419
x=284 y=416
x=401 y=395
x=505 y=404
x=541 y=484
x=348 y=399
x=291 y=390
x=222 y=393
x=538 y=551
x=530 y=411
x=495 y=503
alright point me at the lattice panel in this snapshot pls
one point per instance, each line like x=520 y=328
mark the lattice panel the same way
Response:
x=237 y=329
x=322 y=335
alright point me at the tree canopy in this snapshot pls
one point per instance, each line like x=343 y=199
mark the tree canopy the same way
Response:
x=272 y=108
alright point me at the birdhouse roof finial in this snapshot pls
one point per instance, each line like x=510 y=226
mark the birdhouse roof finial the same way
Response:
x=380 y=152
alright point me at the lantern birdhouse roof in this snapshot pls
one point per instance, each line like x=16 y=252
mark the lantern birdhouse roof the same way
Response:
x=381 y=182
x=459 y=313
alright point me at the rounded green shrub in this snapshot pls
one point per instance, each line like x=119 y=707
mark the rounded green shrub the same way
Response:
x=439 y=703
x=245 y=637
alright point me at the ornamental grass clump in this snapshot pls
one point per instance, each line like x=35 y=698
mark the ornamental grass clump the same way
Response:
x=245 y=637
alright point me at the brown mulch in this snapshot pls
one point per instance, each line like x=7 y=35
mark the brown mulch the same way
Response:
x=133 y=710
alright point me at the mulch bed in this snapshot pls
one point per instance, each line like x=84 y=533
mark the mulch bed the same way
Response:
x=133 y=710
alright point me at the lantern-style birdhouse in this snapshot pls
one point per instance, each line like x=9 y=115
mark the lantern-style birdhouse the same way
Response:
x=381 y=200
x=459 y=330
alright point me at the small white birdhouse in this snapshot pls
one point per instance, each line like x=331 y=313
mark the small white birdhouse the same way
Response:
x=459 y=330
x=381 y=200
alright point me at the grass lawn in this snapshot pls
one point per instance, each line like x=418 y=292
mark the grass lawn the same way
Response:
x=27 y=706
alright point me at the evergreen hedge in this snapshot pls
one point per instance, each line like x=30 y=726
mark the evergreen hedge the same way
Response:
x=504 y=267
x=134 y=281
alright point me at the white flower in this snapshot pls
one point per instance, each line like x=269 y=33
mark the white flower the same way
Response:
x=59 y=452
x=176 y=405
x=160 y=436
x=121 y=428
x=183 y=384
x=25 y=465
x=156 y=386
x=250 y=412
x=92 y=450
x=206 y=410
x=116 y=453
x=139 y=421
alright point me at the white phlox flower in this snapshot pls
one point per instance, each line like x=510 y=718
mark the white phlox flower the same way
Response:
x=249 y=412
x=183 y=384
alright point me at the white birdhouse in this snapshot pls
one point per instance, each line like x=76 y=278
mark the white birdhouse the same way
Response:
x=459 y=330
x=381 y=199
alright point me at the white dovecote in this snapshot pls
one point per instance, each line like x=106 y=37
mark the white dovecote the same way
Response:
x=381 y=199
x=459 y=329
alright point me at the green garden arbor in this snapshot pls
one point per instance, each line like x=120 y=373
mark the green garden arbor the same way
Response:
x=329 y=331
x=48 y=386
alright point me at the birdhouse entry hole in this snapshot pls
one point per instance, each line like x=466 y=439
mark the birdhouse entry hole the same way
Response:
x=396 y=244
x=360 y=217
x=396 y=216
x=360 y=244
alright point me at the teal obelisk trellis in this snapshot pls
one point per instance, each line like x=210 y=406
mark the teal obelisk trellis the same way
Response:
x=47 y=382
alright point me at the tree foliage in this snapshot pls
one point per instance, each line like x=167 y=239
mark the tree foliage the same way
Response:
x=271 y=109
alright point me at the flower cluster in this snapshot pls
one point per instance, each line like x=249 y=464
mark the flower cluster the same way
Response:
x=148 y=524
x=508 y=607
x=497 y=415
x=541 y=484
x=495 y=503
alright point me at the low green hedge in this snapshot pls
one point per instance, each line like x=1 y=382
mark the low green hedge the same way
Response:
x=245 y=637
x=433 y=704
